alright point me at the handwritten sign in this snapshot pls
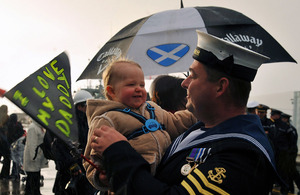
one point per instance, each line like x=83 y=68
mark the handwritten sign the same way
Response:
x=46 y=97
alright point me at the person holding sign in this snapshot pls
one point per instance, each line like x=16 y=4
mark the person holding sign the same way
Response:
x=70 y=177
x=148 y=128
x=226 y=152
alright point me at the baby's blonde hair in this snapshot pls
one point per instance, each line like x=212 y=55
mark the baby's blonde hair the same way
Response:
x=110 y=75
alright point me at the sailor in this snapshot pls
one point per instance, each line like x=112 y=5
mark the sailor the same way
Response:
x=282 y=147
x=227 y=152
x=267 y=123
x=294 y=175
x=251 y=107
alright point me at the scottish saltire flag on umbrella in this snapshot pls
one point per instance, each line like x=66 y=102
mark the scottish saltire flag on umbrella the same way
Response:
x=46 y=97
x=164 y=42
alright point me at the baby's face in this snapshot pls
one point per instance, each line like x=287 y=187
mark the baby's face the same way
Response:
x=130 y=90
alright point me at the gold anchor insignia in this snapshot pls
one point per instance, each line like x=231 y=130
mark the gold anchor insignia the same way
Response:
x=218 y=177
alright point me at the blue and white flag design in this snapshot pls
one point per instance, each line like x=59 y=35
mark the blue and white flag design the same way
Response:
x=168 y=54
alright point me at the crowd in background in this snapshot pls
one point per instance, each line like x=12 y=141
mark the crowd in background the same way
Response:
x=283 y=137
x=11 y=139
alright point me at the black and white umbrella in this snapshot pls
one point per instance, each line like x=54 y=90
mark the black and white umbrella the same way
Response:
x=163 y=43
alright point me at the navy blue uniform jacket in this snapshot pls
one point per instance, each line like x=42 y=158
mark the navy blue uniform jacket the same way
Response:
x=241 y=161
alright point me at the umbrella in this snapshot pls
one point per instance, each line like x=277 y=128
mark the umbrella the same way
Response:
x=163 y=43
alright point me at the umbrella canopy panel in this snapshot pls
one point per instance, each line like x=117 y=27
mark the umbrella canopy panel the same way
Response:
x=164 y=42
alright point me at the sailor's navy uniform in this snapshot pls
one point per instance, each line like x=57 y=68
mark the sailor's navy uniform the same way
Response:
x=238 y=159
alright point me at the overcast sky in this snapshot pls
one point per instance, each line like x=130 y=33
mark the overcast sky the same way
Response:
x=33 y=32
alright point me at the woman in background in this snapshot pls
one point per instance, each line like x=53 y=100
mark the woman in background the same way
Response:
x=166 y=91
x=34 y=159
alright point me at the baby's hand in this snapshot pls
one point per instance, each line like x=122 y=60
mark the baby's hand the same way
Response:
x=103 y=178
x=104 y=137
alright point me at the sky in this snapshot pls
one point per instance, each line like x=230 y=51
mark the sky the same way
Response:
x=33 y=32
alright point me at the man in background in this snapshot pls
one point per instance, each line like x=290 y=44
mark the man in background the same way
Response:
x=70 y=177
x=293 y=152
x=268 y=125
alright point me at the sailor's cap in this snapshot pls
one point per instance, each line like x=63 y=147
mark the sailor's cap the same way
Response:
x=275 y=111
x=252 y=104
x=285 y=115
x=262 y=107
x=228 y=57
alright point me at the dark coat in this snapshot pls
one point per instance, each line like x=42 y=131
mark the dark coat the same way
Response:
x=65 y=162
x=241 y=161
x=15 y=129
